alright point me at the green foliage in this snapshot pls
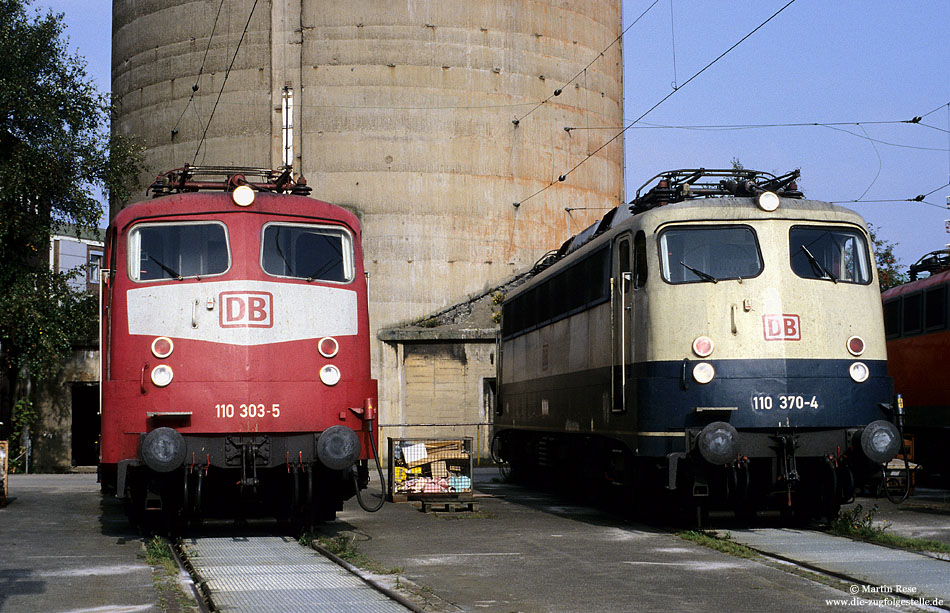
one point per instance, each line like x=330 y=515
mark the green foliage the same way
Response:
x=158 y=551
x=723 y=544
x=41 y=317
x=888 y=266
x=345 y=548
x=24 y=417
x=856 y=522
x=56 y=155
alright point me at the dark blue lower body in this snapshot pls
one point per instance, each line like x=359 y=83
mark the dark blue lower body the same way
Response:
x=797 y=426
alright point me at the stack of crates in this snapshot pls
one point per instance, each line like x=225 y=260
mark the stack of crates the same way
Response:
x=430 y=469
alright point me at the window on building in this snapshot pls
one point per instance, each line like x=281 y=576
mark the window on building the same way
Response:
x=93 y=266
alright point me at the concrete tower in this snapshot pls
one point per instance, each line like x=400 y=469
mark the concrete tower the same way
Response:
x=400 y=110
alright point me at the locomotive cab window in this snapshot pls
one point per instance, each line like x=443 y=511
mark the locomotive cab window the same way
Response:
x=314 y=253
x=178 y=251
x=697 y=254
x=892 y=318
x=832 y=254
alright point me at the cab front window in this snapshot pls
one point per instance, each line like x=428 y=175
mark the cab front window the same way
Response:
x=696 y=254
x=313 y=253
x=161 y=251
x=832 y=254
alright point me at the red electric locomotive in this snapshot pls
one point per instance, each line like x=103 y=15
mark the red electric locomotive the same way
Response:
x=917 y=324
x=235 y=342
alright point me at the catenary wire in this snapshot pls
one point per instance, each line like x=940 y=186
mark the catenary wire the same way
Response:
x=227 y=73
x=919 y=198
x=557 y=92
x=654 y=107
x=194 y=88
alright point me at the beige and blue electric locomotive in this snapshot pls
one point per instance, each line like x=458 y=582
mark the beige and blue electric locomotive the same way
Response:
x=721 y=339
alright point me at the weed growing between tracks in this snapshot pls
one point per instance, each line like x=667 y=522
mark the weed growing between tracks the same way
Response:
x=723 y=544
x=345 y=548
x=856 y=523
x=172 y=597
x=158 y=553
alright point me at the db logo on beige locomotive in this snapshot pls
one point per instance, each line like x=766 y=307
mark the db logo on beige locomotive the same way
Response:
x=781 y=327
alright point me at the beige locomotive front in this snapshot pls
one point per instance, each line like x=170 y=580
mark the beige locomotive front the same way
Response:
x=707 y=311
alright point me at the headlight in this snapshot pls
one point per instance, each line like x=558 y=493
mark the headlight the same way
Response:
x=162 y=375
x=880 y=441
x=855 y=346
x=162 y=347
x=330 y=375
x=859 y=372
x=243 y=195
x=328 y=347
x=768 y=201
x=704 y=372
x=718 y=443
x=703 y=346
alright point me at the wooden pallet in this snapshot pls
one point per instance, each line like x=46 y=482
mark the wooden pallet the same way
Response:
x=449 y=506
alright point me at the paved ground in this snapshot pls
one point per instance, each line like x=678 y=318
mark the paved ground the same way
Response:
x=64 y=549
x=925 y=515
x=531 y=551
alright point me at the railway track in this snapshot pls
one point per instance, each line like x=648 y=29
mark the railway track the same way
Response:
x=524 y=529
x=877 y=574
x=275 y=573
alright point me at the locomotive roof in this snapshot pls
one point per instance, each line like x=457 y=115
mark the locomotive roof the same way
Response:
x=185 y=204
x=699 y=210
x=937 y=263
x=194 y=190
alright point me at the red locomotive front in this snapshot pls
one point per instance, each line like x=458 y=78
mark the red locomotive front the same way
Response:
x=236 y=370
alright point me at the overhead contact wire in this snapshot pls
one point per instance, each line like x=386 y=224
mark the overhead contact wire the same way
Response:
x=194 y=88
x=919 y=198
x=227 y=73
x=662 y=100
x=557 y=92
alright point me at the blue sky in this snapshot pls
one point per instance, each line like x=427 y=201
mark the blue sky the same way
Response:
x=850 y=63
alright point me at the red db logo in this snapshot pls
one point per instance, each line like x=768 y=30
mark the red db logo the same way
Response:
x=246 y=309
x=781 y=327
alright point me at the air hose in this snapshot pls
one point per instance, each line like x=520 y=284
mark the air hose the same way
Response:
x=899 y=415
x=379 y=469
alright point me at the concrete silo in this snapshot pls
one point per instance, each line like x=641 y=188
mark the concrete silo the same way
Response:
x=400 y=110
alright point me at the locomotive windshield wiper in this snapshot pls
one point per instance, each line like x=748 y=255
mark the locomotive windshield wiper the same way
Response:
x=173 y=273
x=702 y=275
x=824 y=272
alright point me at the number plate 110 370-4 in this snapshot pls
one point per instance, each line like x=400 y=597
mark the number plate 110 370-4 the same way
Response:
x=784 y=402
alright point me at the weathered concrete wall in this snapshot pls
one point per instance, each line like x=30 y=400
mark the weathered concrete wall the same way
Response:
x=434 y=385
x=52 y=440
x=403 y=113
